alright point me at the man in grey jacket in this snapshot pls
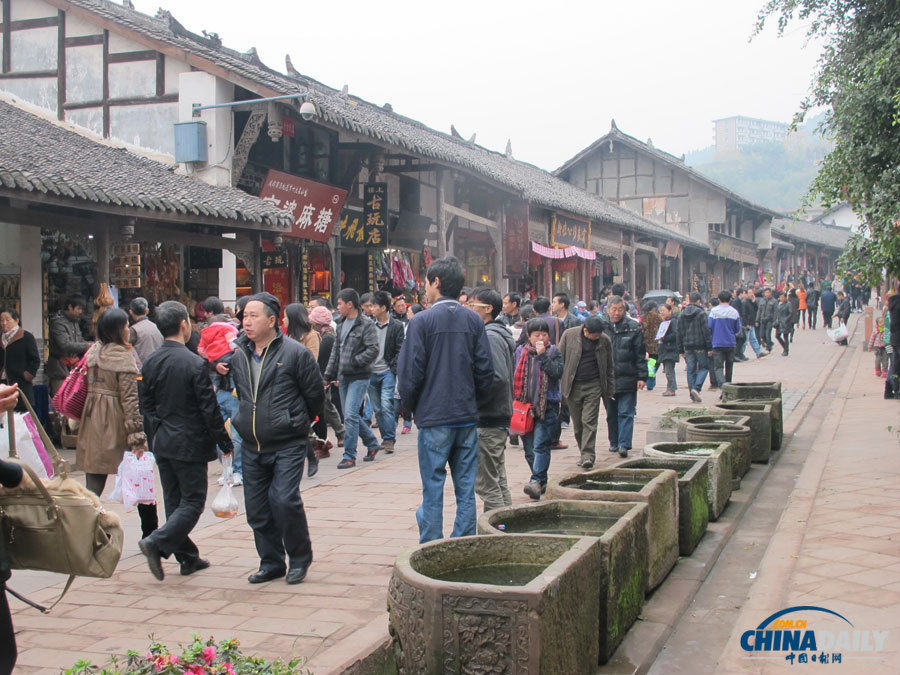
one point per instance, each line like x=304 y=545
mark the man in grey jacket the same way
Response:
x=67 y=345
x=765 y=317
x=495 y=406
x=143 y=335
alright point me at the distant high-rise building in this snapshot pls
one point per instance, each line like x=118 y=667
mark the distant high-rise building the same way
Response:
x=735 y=133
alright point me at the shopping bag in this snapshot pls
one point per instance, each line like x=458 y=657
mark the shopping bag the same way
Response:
x=839 y=333
x=137 y=479
x=651 y=367
x=522 y=421
x=29 y=446
x=225 y=504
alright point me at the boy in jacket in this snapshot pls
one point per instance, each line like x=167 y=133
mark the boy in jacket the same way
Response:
x=725 y=327
x=445 y=367
x=184 y=428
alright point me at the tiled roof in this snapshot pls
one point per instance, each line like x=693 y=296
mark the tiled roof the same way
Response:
x=678 y=163
x=37 y=155
x=381 y=124
x=804 y=231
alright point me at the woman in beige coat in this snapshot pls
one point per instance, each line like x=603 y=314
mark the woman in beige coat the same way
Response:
x=111 y=422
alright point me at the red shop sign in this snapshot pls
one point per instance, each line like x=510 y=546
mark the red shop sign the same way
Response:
x=314 y=206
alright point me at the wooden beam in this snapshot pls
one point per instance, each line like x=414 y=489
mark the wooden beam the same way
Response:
x=28 y=73
x=61 y=66
x=160 y=74
x=129 y=57
x=113 y=102
x=7 y=51
x=462 y=213
x=27 y=24
x=441 y=210
x=106 y=122
x=84 y=40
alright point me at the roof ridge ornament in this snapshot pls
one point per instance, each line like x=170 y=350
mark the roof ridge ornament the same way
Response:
x=291 y=71
x=612 y=125
x=213 y=39
x=509 y=154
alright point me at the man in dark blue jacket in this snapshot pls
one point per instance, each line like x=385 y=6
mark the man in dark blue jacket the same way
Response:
x=445 y=366
x=829 y=301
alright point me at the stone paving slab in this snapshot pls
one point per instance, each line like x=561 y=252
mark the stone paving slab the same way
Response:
x=359 y=520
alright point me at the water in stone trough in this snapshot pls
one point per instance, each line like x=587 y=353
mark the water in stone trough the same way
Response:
x=619 y=485
x=511 y=574
x=553 y=523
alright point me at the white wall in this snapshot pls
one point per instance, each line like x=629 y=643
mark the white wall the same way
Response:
x=20 y=251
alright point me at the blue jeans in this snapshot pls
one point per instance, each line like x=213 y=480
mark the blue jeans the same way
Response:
x=751 y=338
x=381 y=394
x=352 y=393
x=620 y=418
x=697 y=363
x=228 y=407
x=537 y=443
x=458 y=447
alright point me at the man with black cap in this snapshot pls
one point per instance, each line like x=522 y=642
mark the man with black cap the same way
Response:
x=279 y=386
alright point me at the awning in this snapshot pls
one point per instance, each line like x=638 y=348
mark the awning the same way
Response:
x=560 y=253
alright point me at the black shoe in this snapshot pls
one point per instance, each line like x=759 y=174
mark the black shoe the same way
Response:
x=263 y=576
x=586 y=464
x=513 y=439
x=347 y=463
x=154 y=558
x=193 y=565
x=613 y=448
x=533 y=489
x=296 y=575
x=623 y=452
x=312 y=465
x=370 y=455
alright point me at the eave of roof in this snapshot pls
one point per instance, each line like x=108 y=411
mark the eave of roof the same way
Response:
x=819 y=234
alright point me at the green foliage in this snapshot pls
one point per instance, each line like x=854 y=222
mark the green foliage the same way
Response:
x=858 y=79
x=200 y=657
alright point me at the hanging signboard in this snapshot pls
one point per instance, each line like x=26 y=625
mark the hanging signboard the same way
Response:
x=314 y=206
x=570 y=232
x=375 y=211
x=516 y=240
x=276 y=258
x=352 y=231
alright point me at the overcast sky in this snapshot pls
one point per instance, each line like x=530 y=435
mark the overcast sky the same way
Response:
x=547 y=75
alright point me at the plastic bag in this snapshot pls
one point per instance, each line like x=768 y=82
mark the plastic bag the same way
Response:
x=137 y=480
x=29 y=446
x=839 y=333
x=225 y=504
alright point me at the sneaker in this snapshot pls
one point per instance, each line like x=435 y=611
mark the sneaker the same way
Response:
x=370 y=455
x=613 y=448
x=406 y=429
x=623 y=452
x=586 y=464
x=533 y=489
x=668 y=393
x=340 y=440
x=559 y=445
x=564 y=425
x=695 y=396
x=237 y=479
x=347 y=463
x=388 y=447
x=784 y=353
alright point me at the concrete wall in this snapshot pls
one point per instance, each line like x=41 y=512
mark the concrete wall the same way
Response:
x=20 y=252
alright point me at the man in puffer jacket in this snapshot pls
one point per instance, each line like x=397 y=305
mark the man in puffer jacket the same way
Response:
x=765 y=317
x=724 y=326
x=630 y=366
x=694 y=342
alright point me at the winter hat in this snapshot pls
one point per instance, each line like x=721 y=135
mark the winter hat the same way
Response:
x=581 y=303
x=268 y=300
x=320 y=316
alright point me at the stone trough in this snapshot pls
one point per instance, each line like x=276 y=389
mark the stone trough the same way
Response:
x=759 y=392
x=693 y=490
x=622 y=530
x=655 y=487
x=760 y=414
x=735 y=430
x=510 y=604
x=664 y=428
x=718 y=460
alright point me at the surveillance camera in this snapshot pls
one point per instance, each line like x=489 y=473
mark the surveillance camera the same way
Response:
x=307 y=110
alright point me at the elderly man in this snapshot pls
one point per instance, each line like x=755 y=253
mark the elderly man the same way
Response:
x=143 y=335
x=630 y=366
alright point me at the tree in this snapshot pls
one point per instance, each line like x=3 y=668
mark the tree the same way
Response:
x=858 y=80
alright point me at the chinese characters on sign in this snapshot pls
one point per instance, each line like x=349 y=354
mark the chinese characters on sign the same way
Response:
x=313 y=206
x=570 y=232
x=375 y=209
x=352 y=231
x=516 y=241
x=272 y=259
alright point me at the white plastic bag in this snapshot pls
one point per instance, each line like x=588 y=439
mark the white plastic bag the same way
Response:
x=29 y=447
x=225 y=505
x=137 y=480
x=839 y=333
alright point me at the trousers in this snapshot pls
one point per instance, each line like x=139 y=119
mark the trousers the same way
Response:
x=184 y=495
x=490 y=481
x=438 y=448
x=724 y=360
x=620 y=413
x=584 y=401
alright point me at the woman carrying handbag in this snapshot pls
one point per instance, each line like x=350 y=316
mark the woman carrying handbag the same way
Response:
x=111 y=422
x=539 y=366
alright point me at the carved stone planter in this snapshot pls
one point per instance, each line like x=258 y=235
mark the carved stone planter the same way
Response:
x=718 y=461
x=622 y=529
x=726 y=432
x=657 y=488
x=511 y=604
x=709 y=418
x=760 y=415
x=664 y=428
x=693 y=488
x=765 y=392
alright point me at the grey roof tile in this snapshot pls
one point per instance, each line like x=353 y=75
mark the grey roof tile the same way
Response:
x=820 y=234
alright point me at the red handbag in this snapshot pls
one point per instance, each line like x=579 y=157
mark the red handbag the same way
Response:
x=70 y=398
x=522 y=421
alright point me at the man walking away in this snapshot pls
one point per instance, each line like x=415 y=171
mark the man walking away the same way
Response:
x=843 y=313
x=280 y=388
x=349 y=368
x=495 y=408
x=694 y=342
x=724 y=326
x=812 y=302
x=741 y=340
x=765 y=318
x=785 y=323
x=749 y=312
x=445 y=367
x=383 y=380
x=143 y=335
x=587 y=379
x=630 y=367
x=180 y=407
x=829 y=302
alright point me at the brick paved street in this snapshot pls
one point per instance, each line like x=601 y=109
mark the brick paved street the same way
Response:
x=361 y=518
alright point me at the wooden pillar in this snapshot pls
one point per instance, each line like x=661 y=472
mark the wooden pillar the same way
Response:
x=441 y=215
x=103 y=252
x=684 y=287
x=257 y=263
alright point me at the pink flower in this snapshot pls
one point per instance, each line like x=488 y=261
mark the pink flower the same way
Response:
x=209 y=654
x=229 y=669
x=196 y=670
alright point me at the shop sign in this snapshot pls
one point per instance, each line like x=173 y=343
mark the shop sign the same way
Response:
x=570 y=232
x=287 y=127
x=352 y=231
x=516 y=240
x=375 y=211
x=313 y=206
x=272 y=259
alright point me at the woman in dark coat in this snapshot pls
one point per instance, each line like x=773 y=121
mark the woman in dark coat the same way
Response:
x=19 y=359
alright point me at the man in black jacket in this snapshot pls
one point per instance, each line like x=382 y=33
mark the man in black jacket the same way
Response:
x=765 y=317
x=630 y=365
x=349 y=368
x=280 y=388
x=184 y=427
x=740 y=340
x=383 y=380
x=694 y=342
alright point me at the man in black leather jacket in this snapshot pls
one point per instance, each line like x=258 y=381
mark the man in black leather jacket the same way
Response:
x=279 y=386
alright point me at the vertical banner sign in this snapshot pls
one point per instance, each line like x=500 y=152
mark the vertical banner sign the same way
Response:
x=516 y=240
x=304 y=265
x=375 y=209
x=352 y=231
x=565 y=232
x=314 y=206
x=373 y=284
